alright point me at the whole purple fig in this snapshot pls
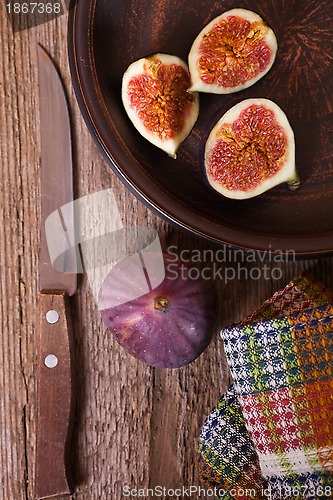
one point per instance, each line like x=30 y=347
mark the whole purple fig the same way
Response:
x=156 y=311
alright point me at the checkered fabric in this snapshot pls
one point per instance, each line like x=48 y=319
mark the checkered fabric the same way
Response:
x=227 y=458
x=301 y=293
x=283 y=373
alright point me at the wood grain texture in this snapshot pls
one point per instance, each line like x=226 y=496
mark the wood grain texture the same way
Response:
x=134 y=425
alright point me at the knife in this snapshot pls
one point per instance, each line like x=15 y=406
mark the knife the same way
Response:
x=56 y=284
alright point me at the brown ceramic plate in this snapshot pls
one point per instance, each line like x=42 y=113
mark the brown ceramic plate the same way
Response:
x=105 y=36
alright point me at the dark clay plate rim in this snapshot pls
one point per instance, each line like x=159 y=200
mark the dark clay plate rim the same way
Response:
x=92 y=106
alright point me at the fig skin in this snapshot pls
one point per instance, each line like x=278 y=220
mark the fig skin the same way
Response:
x=172 y=112
x=168 y=327
x=285 y=165
x=231 y=56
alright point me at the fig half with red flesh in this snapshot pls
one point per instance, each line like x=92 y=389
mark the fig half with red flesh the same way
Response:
x=156 y=97
x=170 y=325
x=231 y=53
x=250 y=150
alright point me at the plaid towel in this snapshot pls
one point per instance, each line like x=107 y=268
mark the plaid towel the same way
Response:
x=227 y=460
x=283 y=375
x=282 y=370
x=301 y=293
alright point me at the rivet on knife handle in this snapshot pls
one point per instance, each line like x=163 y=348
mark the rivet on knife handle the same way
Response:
x=54 y=396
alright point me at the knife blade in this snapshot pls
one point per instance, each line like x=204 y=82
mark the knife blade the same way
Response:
x=57 y=282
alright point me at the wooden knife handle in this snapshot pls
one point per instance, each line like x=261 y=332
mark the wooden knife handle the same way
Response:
x=54 y=396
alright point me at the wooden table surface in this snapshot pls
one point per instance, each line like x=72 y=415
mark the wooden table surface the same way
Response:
x=134 y=425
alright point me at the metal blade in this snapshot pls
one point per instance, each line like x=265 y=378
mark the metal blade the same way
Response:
x=56 y=182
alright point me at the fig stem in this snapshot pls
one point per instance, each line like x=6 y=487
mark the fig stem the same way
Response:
x=294 y=183
x=161 y=304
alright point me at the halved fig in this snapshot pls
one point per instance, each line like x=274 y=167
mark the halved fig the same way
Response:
x=250 y=150
x=165 y=319
x=231 y=53
x=156 y=98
